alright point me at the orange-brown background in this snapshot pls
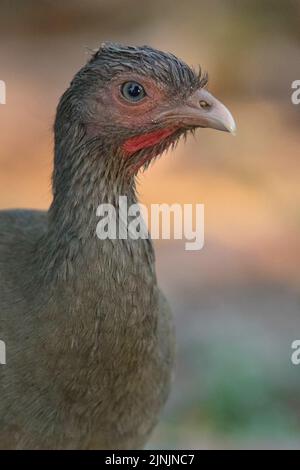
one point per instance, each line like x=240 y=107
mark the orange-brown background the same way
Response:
x=236 y=302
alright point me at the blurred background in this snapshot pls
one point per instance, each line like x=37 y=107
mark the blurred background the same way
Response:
x=237 y=301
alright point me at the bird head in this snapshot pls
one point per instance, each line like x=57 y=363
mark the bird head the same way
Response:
x=139 y=101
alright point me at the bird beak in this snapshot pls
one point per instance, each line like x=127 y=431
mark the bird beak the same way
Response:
x=203 y=110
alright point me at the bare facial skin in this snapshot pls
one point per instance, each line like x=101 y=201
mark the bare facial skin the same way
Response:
x=151 y=108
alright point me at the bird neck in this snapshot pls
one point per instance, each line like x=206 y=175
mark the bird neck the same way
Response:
x=86 y=174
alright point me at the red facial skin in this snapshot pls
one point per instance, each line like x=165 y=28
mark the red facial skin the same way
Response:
x=143 y=141
x=139 y=114
x=136 y=115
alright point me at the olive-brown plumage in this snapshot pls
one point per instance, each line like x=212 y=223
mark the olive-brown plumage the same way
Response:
x=89 y=336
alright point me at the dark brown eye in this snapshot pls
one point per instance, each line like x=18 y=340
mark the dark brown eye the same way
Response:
x=133 y=91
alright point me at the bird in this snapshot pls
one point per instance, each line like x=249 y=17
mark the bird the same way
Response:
x=89 y=334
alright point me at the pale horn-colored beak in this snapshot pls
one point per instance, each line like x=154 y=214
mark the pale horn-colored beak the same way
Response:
x=202 y=110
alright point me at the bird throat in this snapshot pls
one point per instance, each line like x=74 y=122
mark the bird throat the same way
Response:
x=143 y=141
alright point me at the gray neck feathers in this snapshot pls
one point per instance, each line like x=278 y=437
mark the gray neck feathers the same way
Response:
x=86 y=174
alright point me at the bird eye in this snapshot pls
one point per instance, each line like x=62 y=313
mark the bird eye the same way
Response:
x=133 y=91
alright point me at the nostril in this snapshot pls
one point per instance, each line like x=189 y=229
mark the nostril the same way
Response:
x=204 y=104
